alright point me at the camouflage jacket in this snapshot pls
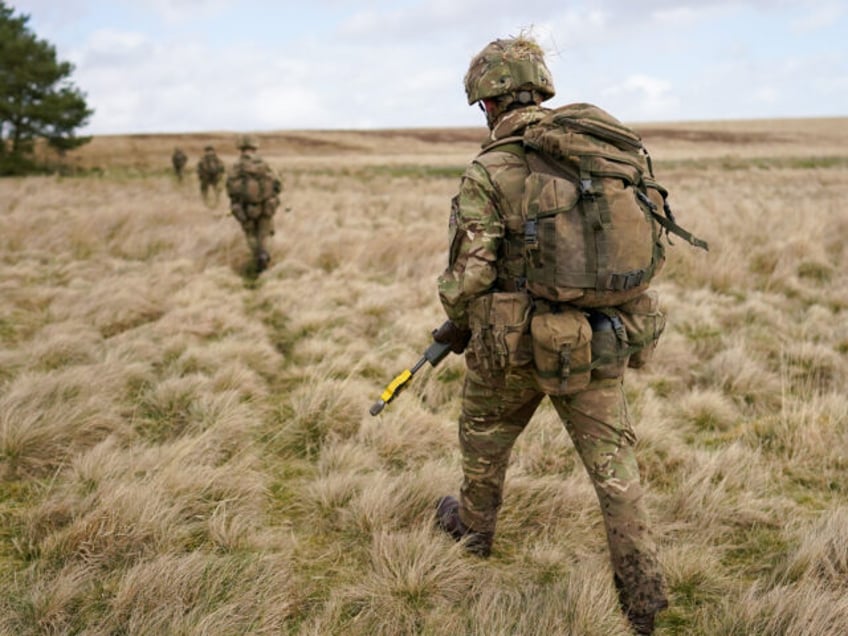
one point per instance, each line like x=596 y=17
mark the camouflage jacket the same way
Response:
x=486 y=225
x=210 y=166
x=251 y=180
x=179 y=159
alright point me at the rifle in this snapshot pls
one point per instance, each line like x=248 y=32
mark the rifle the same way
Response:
x=434 y=354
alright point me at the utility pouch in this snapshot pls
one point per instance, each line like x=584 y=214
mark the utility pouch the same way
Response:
x=644 y=323
x=609 y=345
x=561 y=351
x=499 y=333
x=237 y=210
x=253 y=210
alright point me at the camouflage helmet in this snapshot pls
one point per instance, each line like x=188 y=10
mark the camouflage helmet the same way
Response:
x=247 y=141
x=506 y=66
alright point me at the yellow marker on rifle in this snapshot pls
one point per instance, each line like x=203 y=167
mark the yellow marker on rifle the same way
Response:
x=434 y=354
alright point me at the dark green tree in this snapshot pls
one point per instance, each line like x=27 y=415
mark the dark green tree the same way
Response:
x=37 y=100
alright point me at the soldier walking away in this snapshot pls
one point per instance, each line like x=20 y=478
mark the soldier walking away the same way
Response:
x=546 y=292
x=254 y=188
x=179 y=160
x=210 y=169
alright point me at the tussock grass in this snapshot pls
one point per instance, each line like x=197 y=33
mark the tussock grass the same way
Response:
x=185 y=448
x=802 y=609
x=822 y=553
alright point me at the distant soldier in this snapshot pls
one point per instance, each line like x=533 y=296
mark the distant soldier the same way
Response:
x=210 y=169
x=179 y=160
x=254 y=188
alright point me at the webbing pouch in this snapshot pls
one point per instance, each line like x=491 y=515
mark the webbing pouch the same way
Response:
x=561 y=351
x=609 y=345
x=500 y=338
x=644 y=324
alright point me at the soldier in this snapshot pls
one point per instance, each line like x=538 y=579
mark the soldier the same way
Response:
x=178 y=160
x=210 y=169
x=509 y=79
x=254 y=188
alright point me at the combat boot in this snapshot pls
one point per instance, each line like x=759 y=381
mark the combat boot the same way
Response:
x=641 y=621
x=262 y=261
x=447 y=518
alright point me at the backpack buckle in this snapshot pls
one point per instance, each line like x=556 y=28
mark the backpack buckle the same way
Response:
x=531 y=235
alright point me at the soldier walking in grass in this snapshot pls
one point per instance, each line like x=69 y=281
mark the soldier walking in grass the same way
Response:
x=210 y=169
x=254 y=188
x=179 y=160
x=546 y=292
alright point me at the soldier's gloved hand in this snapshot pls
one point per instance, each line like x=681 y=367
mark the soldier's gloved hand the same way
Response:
x=450 y=334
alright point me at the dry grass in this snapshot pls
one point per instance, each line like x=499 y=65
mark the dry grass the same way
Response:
x=186 y=449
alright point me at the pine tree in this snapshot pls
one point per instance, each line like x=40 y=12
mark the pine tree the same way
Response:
x=37 y=100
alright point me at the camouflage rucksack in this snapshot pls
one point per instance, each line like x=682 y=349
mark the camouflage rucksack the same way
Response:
x=593 y=213
x=252 y=181
x=211 y=166
x=179 y=158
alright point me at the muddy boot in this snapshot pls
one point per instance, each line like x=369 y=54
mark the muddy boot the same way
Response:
x=642 y=621
x=447 y=518
x=262 y=261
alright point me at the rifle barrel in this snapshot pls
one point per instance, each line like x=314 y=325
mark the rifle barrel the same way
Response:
x=434 y=354
x=378 y=406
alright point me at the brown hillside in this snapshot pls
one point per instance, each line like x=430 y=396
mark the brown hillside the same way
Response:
x=757 y=138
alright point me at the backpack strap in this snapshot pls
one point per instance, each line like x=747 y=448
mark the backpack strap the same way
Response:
x=595 y=207
x=513 y=145
x=669 y=223
x=674 y=228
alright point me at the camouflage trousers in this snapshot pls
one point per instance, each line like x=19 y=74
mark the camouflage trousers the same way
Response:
x=597 y=421
x=208 y=186
x=257 y=222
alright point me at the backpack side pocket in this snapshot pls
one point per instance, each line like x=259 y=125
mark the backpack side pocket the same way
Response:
x=610 y=348
x=644 y=323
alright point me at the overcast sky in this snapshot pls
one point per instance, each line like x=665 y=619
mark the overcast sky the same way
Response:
x=248 y=65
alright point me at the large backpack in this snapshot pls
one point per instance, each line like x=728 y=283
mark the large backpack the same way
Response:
x=593 y=213
x=252 y=181
x=211 y=166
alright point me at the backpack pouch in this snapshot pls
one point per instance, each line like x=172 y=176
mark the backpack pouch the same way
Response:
x=561 y=351
x=591 y=238
x=593 y=249
x=644 y=323
x=609 y=345
x=500 y=338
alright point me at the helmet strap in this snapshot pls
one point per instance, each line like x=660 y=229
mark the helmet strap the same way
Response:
x=494 y=107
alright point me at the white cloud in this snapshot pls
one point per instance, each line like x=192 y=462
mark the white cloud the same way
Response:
x=820 y=16
x=681 y=17
x=176 y=11
x=115 y=42
x=645 y=97
x=175 y=86
x=183 y=65
x=767 y=95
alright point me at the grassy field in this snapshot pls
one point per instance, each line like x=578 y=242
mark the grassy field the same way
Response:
x=187 y=449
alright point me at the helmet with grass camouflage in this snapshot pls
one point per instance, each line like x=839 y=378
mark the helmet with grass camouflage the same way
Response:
x=247 y=141
x=508 y=66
